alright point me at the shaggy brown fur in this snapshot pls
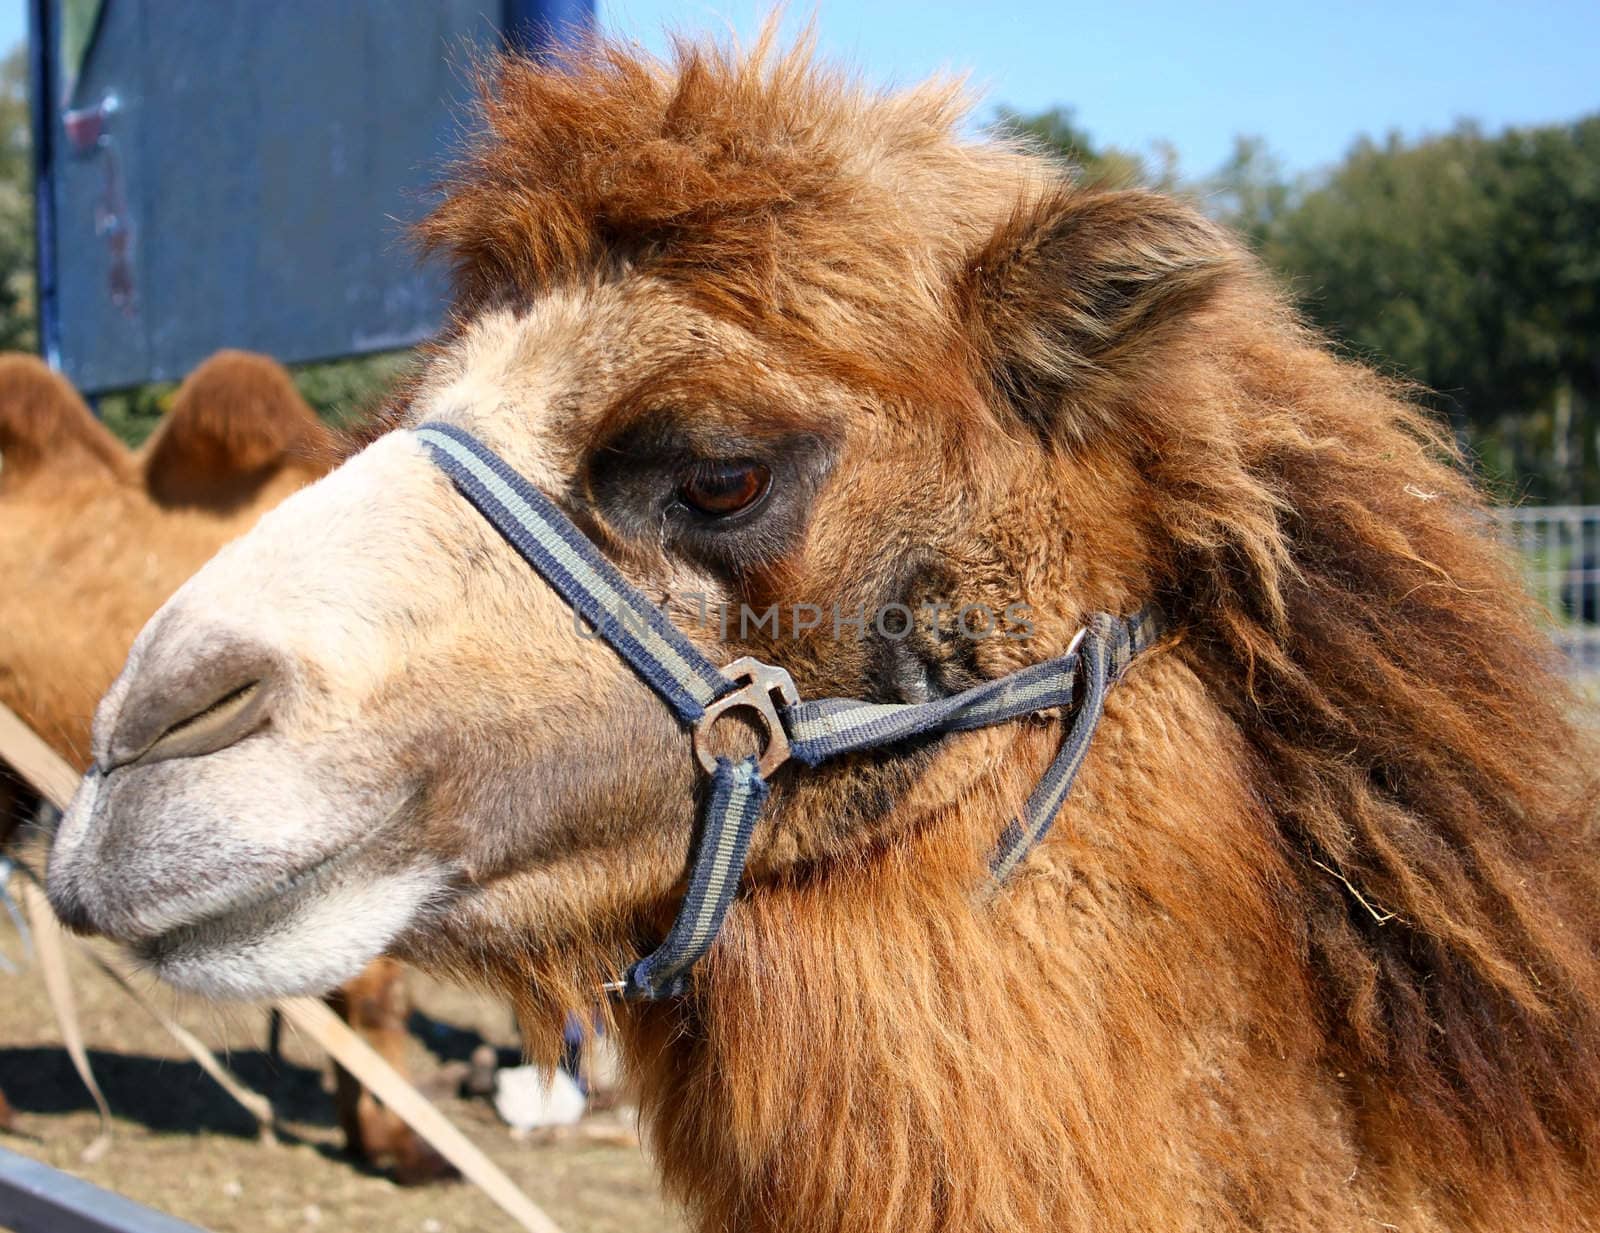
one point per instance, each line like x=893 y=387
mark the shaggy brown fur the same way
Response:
x=1314 y=945
x=237 y=427
x=49 y=441
x=47 y=434
x=87 y=553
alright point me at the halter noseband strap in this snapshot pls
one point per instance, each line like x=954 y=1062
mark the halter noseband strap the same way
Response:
x=699 y=692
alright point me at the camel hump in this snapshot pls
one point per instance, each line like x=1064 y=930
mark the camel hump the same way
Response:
x=45 y=427
x=236 y=423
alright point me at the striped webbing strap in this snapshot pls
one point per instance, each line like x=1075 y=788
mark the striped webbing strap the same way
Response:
x=688 y=683
x=1076 y=681
x=737 y=794
x=568 y=560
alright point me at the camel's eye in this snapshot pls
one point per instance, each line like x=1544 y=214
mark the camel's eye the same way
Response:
x=721 y=489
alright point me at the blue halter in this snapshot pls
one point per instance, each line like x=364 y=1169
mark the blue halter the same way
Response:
x=699 y=692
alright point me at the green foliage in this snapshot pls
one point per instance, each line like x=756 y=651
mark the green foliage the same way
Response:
x=343 y=392
x=132 y=415
x=17 y=331
x=1250 y=191
x=1470 y=263
x=1059 y=132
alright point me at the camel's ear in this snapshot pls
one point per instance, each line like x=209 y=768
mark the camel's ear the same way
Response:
x=236 y=422
x=46 y=429
x=1071 y=300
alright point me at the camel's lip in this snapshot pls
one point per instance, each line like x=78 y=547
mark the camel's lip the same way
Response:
x=269 y=902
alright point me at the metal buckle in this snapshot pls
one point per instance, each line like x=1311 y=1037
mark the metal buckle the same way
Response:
x=761 y=681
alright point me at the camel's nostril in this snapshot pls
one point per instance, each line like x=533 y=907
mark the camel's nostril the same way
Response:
x=214 y=726
x=191 y=705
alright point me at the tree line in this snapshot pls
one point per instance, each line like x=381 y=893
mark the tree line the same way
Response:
x=1468 y=263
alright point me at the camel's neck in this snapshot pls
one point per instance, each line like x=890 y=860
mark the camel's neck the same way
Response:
x=1116 y=1040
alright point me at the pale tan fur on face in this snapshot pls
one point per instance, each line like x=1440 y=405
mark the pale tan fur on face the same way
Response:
x=394 y=624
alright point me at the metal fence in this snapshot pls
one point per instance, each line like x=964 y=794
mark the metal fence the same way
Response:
x=1559 y=546
x=34 y=1198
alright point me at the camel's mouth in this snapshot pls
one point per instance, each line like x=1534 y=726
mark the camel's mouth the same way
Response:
x=251 y=912
x=303 y=932
x=272 y=885
x=296 y=935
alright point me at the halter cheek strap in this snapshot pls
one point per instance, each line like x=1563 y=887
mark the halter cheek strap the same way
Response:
x=699 y=692
x=568 y=560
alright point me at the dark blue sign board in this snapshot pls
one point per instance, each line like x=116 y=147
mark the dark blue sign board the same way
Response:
x=217 y=173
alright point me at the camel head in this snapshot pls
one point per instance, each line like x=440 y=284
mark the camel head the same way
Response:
x=804 y=399
x=806 y=406
x=842 y=389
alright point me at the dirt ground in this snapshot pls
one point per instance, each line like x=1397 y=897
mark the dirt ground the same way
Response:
x=184 y=1147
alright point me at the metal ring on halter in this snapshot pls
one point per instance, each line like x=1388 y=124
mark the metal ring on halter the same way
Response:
x=761 y=681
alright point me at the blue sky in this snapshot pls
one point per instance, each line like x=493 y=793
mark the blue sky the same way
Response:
x=1309 y=78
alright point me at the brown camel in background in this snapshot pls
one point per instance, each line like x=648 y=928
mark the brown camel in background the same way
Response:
x=1314 y=944
x=93 y=539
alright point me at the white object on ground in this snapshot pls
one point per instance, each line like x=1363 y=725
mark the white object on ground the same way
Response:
x=527 y=1096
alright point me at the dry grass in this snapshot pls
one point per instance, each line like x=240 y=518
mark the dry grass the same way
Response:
x=182 y=1146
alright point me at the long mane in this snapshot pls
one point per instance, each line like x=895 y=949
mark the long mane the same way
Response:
x=1352 y=608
